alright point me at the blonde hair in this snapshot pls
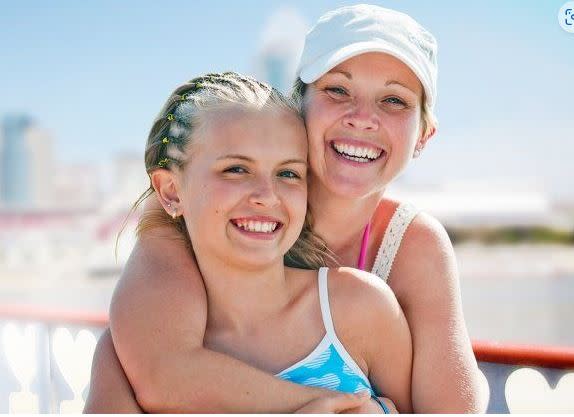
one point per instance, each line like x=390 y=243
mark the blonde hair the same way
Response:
x=428 y=119
x=176 y=127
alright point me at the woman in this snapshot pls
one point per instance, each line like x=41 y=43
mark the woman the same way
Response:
x=368 y=87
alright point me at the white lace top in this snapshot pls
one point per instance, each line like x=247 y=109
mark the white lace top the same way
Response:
x=401 y=219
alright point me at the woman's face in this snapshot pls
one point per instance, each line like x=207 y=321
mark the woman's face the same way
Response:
x=244 y=190
x=363 y=120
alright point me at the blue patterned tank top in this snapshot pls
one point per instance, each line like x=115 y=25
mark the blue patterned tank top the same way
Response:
x=329 y=365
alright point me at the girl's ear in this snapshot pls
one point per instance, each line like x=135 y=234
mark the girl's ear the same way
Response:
x=164 y=182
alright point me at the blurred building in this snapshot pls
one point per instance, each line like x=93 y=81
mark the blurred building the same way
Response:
x=26 y=163
x=128 y=181
x=41 y=167
x=14 y=189
x=76 y=186
x=281 y=44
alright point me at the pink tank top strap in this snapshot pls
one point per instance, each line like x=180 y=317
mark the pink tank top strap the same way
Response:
x=364 y=243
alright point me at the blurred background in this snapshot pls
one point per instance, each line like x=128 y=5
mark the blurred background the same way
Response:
x=82 y=81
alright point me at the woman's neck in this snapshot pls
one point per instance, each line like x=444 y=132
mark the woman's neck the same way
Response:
x=341 y=221
x=239 y=299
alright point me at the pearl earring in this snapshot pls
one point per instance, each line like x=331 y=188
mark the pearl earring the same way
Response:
x=173 y=210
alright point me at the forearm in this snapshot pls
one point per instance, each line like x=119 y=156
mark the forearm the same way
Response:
x=211 y=382
x=455 y=388
x=110 y=391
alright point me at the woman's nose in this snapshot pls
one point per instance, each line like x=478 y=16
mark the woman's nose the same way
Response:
x=264 y=194
x=362 y=116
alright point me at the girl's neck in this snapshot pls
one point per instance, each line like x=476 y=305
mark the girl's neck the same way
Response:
x=239 y=299
x=341 y=221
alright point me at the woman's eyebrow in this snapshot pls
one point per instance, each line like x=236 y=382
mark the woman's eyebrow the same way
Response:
x=391 y=82
x=345 y=73
x=395 y=82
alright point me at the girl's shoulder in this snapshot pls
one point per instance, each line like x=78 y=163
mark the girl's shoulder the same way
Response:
x=358 y=297
x=364 y=309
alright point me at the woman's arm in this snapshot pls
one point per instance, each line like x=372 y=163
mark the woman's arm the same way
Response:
x=424 y=278
x=158 y=317
x=110 y=390
x=111 y=393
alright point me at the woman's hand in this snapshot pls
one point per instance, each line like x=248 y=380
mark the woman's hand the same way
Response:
x=372 y=407
x=337 y=403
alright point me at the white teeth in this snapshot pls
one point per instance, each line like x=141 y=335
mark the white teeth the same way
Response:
x=255 y=226
x=358 y=154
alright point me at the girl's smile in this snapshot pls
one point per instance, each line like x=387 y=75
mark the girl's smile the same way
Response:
x=258 y=227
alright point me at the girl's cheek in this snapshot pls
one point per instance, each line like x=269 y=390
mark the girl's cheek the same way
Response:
x=302 y=200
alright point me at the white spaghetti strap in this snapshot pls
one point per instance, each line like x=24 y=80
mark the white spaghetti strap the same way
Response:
x=324 y=301
x=401 y=219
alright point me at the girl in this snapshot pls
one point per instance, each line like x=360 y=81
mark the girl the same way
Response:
x=227 y=158
x=367 y=83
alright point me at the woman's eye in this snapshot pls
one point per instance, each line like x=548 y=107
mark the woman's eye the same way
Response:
x=235 y=170
x=395 y=100
x=288 y=174
x=337 y=91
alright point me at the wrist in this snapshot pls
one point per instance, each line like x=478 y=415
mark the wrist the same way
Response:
x=381 y=404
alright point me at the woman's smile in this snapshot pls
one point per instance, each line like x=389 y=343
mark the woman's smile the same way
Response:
x=360 y=152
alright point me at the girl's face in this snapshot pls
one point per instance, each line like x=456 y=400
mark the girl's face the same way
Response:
x=363 y=120
x=244 y=190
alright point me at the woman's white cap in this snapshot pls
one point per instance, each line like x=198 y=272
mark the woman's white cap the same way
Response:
x=353 y=30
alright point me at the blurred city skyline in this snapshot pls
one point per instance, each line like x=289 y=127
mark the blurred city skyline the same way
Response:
x=93 y=75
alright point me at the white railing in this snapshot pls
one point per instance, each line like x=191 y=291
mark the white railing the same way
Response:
x=46 y=357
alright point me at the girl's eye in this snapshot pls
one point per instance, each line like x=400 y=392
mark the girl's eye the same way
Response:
x=288 y=174
x=235 y=170
x=336 y=91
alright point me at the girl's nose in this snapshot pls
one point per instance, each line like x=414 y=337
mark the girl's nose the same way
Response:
x=264 y=195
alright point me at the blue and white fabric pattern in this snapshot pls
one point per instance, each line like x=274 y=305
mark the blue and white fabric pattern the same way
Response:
x=329 y=365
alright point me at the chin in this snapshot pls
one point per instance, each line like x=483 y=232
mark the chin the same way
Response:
x=351 y=188
x=257 y=261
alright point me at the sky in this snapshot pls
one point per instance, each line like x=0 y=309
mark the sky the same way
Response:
x=95 y=74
